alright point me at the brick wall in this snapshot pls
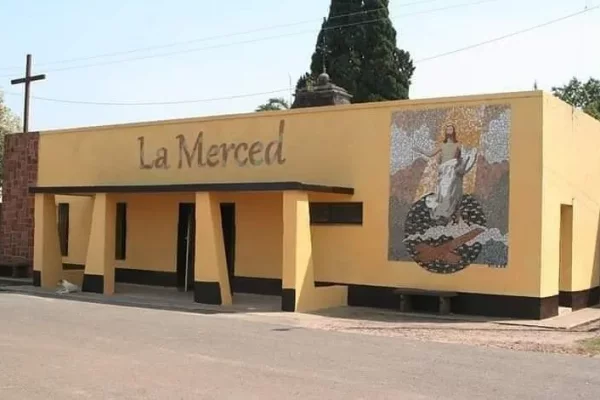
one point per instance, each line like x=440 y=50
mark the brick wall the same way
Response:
x=20 y=172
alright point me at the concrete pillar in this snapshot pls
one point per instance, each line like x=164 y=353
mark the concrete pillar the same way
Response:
x=47 y=260
x=211 y=281
x=566 y=249
x=288 y=273
x=298 y=275
x=99 y=275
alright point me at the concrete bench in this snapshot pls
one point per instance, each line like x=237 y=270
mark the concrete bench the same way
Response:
x=406 y=294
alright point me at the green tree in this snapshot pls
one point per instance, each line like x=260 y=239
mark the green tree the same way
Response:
x=593 y=109
x=274 y=103
x=339 y=44
x=357 y=43
x=387 y=71
x=9 y=123
x=585 y=96
x=305 y=81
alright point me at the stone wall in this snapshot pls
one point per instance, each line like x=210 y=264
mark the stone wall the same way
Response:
x=20 y=172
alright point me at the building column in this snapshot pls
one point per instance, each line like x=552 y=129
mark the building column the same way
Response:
x=99 y=275
x=47 y=260
x=298 y=276
x=211 y=281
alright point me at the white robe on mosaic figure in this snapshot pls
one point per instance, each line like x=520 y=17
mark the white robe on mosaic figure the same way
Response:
x=455 y=162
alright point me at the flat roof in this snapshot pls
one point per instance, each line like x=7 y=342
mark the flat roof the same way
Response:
x=195 y=187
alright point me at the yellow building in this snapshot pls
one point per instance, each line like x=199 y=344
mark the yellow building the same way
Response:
x=493 y=197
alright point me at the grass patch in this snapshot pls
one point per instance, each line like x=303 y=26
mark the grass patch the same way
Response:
x=591 y=345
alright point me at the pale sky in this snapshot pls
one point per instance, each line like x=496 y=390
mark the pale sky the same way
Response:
x=262 y=61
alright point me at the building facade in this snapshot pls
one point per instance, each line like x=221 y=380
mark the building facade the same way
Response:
x=492 y=197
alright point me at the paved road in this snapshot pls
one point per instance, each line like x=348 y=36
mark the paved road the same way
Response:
x=58 y=349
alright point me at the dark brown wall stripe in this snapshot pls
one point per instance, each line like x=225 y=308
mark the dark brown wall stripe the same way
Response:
x=198 y=187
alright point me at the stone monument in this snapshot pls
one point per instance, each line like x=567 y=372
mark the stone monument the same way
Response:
x=324 y=93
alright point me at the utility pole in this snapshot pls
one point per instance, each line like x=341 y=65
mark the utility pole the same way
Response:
x=27 y=81
x=291 y=99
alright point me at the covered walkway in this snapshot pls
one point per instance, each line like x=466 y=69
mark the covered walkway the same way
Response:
x=210 y=273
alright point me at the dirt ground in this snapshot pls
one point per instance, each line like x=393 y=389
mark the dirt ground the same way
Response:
x=583 y=340
x=580 y=341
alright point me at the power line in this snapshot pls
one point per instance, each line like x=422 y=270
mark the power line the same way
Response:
x=158 y=103
x=208 y=38
x=499 y=38
x=261 y=39
x=587 y=9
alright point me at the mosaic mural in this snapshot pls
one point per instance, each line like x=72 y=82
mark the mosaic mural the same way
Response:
x=449 y=180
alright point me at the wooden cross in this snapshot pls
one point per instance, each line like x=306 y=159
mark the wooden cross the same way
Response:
x=27 y=81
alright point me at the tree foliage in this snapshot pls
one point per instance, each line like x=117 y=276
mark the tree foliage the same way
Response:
x=274 y=103
x=9 y=122
x=593 y=109
x=305 y=81
x=357 y=48
x=581 y=95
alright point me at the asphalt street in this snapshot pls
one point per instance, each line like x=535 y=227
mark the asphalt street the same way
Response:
x=59 y=349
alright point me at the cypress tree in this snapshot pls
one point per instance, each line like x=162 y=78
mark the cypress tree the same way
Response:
x=306 y=80
x=337 y=44
x=358 y=43
x=386 y=70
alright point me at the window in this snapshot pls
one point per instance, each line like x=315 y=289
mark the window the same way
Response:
x=121 y=232
x=63 y=228
x=336 y=213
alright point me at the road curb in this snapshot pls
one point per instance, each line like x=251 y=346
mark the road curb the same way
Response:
x=554 y=328
x=90 y=298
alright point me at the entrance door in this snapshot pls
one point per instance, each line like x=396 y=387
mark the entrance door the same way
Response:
x=228 y=226
x=186 y=240
x=565 y=266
